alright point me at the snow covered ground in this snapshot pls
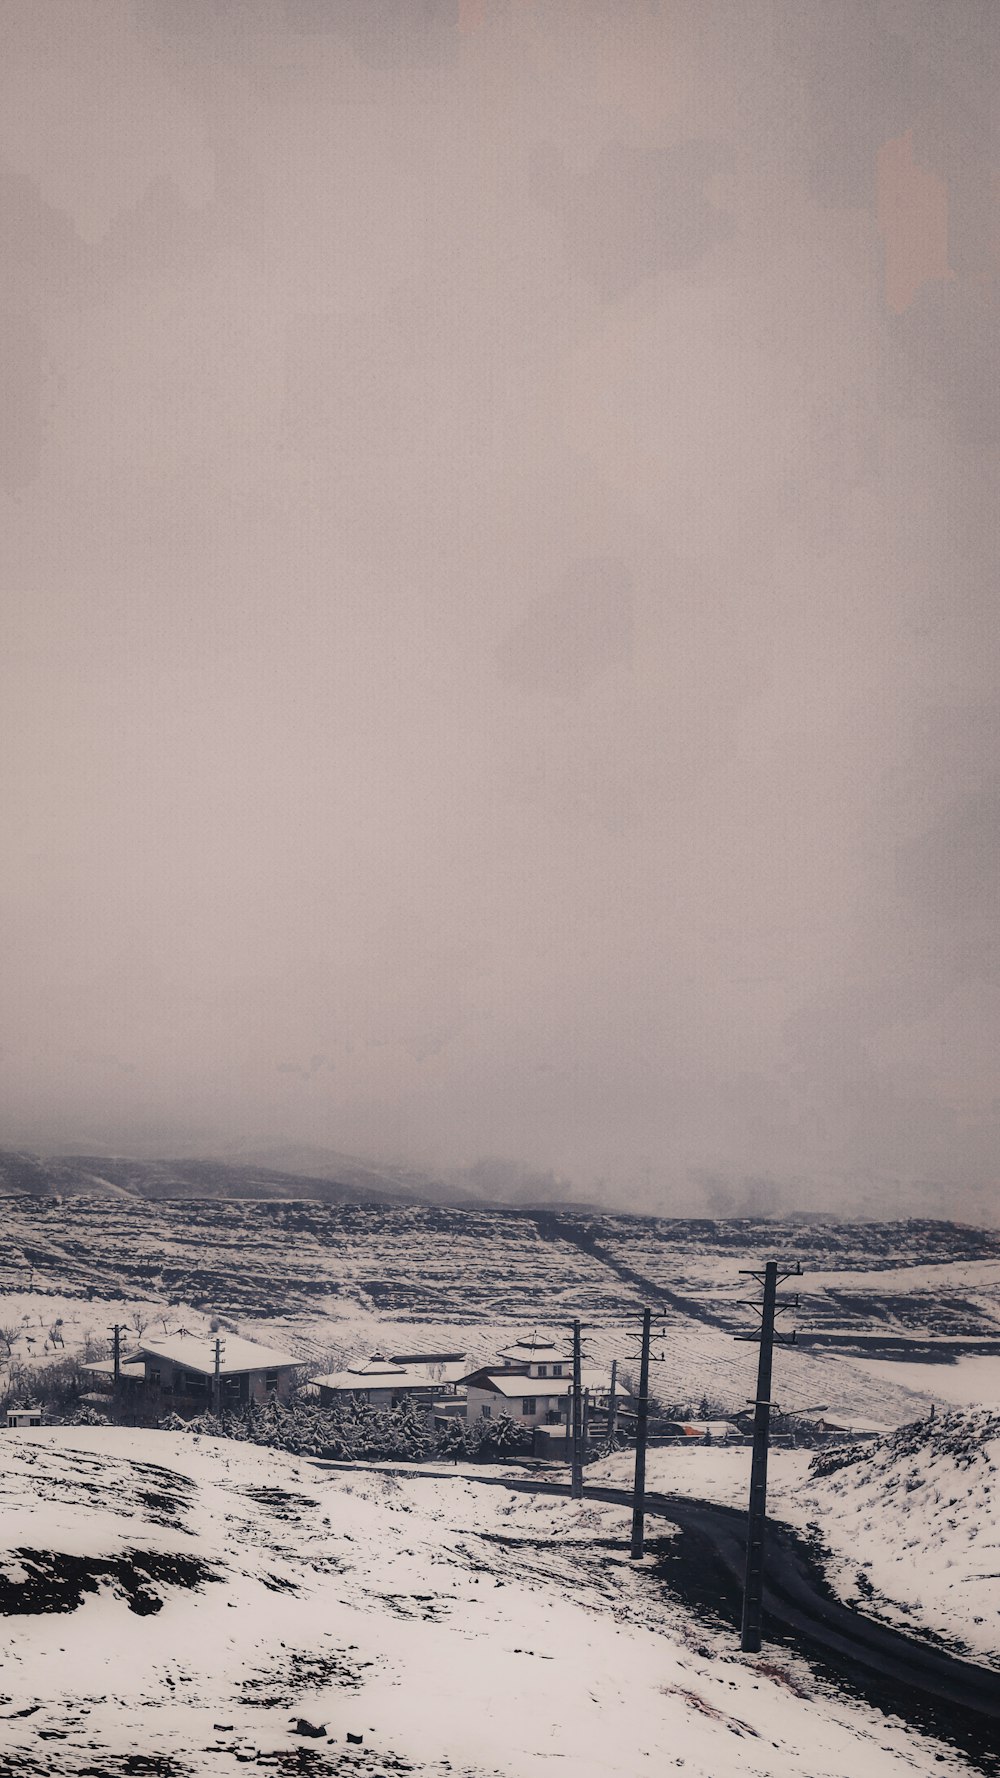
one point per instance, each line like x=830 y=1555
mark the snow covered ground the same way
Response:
x=912 y=1524
x=969 y=1382
x=692 y=1359
x=185 y=1600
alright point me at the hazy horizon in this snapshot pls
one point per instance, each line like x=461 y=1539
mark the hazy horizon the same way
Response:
x=499 y=598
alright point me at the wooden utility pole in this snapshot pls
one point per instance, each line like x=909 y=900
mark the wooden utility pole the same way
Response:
x=613 y=1405
x=117 y=1352
x=576 y=1478
x=639 y=1491
x=753 y=1585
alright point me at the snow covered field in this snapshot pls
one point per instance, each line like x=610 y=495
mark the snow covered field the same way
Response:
x=968 y=1382
x=692 y=1360
x=186 y=1600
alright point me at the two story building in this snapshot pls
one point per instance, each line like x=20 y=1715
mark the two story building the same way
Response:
x=182 y=1369
x=531 y=1382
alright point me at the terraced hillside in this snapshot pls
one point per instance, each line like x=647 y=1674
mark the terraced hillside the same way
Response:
x=913 y=1279
x=272 y=1258
x=435 y=1263
x=341 y=1280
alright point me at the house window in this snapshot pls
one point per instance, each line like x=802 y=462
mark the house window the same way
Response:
x=528 y=1404
x=557 y=1370
x=543 y=1370
x=271 y=1382
x=487 y=1411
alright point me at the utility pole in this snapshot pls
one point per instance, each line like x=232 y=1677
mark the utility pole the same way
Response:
x=586 y=1425
x=753 y=1586
x=576 y=1479
x=117 y=1350
x=217 y=1378
x=639 y=1492
x=613 y=1405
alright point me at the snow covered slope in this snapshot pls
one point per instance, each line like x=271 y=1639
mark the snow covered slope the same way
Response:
x=174 y=1604
x=914 y=1524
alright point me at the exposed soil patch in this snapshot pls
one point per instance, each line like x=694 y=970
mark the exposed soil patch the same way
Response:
x=281 y=1503
x=299 y=1670
x=38 y=1581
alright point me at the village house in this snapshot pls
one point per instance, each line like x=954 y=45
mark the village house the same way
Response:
x=386 y=1382
x=19 y=1417
x=181 y=1369
x=531 y=1383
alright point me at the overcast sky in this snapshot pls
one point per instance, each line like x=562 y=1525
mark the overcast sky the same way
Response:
x=500 y=612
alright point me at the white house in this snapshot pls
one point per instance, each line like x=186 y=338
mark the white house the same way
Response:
x=18 y=1417
x=383 y=1382
x=531 y=1383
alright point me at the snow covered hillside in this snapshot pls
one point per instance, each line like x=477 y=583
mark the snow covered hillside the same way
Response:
x=914 y=1524
x=175 y=1604
x=910 y=1523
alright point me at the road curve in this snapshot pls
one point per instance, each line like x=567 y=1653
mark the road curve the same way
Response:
x=956 y=1700
x=937 y=1693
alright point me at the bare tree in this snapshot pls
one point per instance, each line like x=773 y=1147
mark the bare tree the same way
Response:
x=8 y=1335
x=139 y=1319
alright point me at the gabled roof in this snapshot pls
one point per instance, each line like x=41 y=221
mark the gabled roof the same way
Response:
x=513 y=1385
x=195 y=1353
x=379 y=1372
x=366 y=1379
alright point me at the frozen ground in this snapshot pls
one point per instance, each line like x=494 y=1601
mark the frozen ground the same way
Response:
x=330 y=1282
x=185 y=1600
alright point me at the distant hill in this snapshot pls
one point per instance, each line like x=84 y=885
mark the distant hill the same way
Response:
x=298 y=1172
x=99 y=1175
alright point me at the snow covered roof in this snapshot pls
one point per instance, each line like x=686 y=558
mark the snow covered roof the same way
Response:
x=106 y=1366
x=366 y=1379
x=512 y=1385
x=534 y=1351
x=198 y=1354
x=379 y=1372
x=839 y=1423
